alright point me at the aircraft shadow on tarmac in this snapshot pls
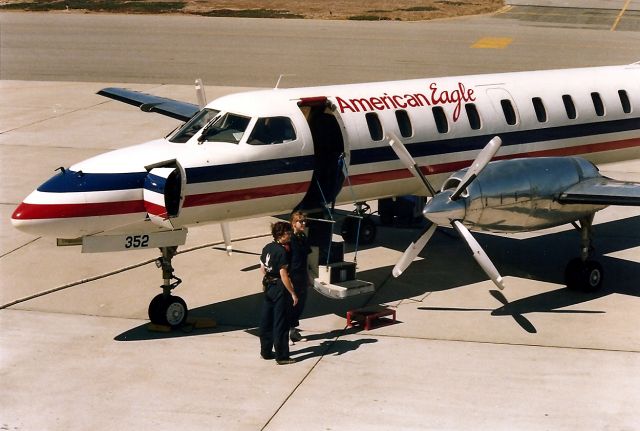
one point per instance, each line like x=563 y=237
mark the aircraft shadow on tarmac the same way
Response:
x=447 y=264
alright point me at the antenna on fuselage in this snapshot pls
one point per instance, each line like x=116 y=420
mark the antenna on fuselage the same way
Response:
x=282 y=75
x=200 y=95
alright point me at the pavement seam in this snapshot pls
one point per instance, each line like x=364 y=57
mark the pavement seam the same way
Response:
x=118 y=271
x=494 y=343
x=302 y=380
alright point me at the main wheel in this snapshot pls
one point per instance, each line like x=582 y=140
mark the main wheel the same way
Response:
x=366 y=234
x=368 y=231
x=594 y=275
x=168 y=310
x=585 y=276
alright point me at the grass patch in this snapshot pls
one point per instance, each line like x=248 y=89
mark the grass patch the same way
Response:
x=368 y=18
x=124 y=6
x=250 y=13
x=419 y=9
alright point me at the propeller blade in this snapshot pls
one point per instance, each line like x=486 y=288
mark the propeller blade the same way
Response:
x=226 y=235
x=479 y=255
x=482 y=159
x=413 y=250
x=403 y=154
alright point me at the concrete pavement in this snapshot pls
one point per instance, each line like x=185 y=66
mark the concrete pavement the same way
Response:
x=459 y=358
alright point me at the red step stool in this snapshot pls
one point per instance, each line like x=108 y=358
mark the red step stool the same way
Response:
x=369 y=315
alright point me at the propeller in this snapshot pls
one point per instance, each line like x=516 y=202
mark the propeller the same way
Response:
x=226 y=235
x=403 y=154
x=479 y=255
x=414 y=250
x=482 y=159
x=202 y=102
x=445 y=208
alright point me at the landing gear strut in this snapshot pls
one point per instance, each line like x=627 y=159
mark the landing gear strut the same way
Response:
x=166 y=309
x=359 y=227
x=583 y=273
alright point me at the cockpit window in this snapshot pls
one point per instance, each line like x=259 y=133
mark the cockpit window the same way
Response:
x=225 y=128
x=272 y=130
x=196 y=123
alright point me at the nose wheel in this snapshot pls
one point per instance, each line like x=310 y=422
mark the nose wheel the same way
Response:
x=166 y=309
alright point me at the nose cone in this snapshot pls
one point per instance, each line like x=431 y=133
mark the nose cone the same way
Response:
x=38 y=217
x=441 y=210
x=73 y=204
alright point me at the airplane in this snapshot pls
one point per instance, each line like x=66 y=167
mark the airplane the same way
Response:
x=271 y=151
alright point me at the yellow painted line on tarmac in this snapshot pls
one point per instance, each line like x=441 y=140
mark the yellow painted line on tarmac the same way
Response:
x=619 y=17
x=492 y=43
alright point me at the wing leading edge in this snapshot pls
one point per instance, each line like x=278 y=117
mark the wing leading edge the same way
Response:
x=602 y=191
x=148 y=103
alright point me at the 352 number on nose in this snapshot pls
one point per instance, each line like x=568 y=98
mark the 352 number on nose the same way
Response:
x=136 y=241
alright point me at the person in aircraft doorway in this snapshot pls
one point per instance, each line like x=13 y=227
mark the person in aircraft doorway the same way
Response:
x=299 y=271
x=279 y=296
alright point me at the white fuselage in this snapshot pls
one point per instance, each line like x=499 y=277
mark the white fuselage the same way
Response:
x=444 y=123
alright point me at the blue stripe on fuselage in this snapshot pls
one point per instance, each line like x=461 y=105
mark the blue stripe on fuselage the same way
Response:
x=470 y=143
x=71 y=181
x=258 y=168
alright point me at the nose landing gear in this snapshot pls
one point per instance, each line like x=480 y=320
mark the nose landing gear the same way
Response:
x=166 y=309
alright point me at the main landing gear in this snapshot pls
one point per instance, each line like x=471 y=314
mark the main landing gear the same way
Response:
x=583 y=273
x=359 y=226
x=166 y=309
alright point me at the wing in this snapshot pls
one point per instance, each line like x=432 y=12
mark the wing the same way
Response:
x=148 y=103
x=602 y=191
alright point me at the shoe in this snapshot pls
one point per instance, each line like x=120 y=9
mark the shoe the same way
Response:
x=268 y=355
x=285 y=361
x=294 y=335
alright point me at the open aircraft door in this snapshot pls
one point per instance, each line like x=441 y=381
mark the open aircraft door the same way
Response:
x=331 y=152
x=163 y=195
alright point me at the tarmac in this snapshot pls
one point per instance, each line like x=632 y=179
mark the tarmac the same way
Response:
x=76 y=352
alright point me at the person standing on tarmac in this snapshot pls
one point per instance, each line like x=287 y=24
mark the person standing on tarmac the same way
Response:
x=279 y=296
x=299 y=270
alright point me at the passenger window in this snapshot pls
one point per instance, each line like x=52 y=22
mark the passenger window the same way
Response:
x=472 y=114
x=375 y=128
x=272 y=130
x=541 y=112
x=441 y=119
x=569 y=106
x=597 y=104
x=624 y=100
x=404 y=123
x=509 y=112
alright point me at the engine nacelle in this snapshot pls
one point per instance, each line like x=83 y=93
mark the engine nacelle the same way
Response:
x=521 y=194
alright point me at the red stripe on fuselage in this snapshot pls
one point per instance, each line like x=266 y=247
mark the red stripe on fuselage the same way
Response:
x=441 y=168
x=245 y=194
x=26 y=211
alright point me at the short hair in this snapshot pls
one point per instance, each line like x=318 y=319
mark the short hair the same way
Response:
x=279 y=228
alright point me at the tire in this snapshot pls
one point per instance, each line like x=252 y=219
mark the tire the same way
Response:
x=584 y=276
x=176 y=311
x=572 y=273
x=366 y=235
x=168 y=310
x=368 y=231
x=348 y=229
x=594 y=275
